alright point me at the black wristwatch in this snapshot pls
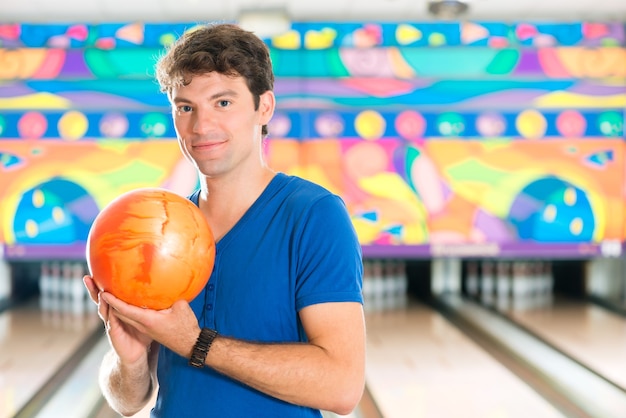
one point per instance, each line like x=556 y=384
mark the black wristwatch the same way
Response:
x=202 y=346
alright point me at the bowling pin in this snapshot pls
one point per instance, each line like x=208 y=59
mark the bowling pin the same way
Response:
x=389 y=284
x=45 y=287
x=503 y=284
x=536 y=272
x=438 y=276
x=521 y=286
x=55 y=286
x=6 y=283
x=453 y=275
x=66 y=286
x=78 y=292
x=368 y=288
x=378 y=286
x=547 y=282
x=401 y=284
x=487 y=281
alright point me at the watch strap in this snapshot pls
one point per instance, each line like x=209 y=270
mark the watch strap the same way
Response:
x=202 y=347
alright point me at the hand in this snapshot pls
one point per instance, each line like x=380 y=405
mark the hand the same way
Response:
x=130 y=344
x=176 y=328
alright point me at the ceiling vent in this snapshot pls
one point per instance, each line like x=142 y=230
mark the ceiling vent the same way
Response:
x=447 y=9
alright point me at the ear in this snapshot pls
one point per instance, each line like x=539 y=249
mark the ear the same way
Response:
x=267 y=103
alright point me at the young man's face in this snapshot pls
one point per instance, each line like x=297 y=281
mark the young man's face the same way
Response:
x=217 y=126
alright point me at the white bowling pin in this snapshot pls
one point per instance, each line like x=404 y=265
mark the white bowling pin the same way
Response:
x=55 y=286
x=487 y=281
x=45 y=289
x=368 y=288
x=78 y=291
x=378 y=286
x=389 y=284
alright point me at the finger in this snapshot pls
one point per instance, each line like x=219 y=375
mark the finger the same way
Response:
x=119 y=305
x=112 y=320
x=139 y=318
x=122 y=310
x=117 y=319
x=103 y=309
x=180 y=304
x=91 y=288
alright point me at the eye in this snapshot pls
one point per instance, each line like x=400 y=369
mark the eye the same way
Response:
x=223 y=103
x=184 y=108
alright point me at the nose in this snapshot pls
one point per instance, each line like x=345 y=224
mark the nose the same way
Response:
x=203 y=122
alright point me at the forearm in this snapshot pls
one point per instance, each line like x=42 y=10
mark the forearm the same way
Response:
x=127 y=387
x=303 y=374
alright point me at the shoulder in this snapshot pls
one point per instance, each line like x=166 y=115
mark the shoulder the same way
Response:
x=308 y=198
x=308 y=202
x=314 y=205
x=301 y=189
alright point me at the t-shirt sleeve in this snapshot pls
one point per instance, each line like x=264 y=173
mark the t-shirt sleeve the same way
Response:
x=330 y=266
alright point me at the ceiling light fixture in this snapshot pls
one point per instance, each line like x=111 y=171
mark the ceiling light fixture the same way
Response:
x=447 y=9
x=265 y=23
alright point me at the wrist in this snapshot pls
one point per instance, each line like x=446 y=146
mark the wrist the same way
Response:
x=202 y=347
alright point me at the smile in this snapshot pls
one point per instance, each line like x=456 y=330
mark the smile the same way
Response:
x=206 y=146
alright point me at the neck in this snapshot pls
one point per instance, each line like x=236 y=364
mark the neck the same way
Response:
x=224 y=200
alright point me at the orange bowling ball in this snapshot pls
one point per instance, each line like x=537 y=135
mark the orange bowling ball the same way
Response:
x=151 y=247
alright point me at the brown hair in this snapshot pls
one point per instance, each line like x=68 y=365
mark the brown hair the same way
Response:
x=224 y=48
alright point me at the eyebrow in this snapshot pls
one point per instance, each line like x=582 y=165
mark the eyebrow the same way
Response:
x=215 y=96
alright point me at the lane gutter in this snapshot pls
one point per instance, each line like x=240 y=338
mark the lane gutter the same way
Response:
x=573 y=389
x=46 y=392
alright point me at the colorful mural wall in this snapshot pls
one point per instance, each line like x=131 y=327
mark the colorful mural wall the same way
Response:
x=471 y=139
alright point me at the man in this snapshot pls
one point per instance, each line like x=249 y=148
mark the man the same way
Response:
x=279 y=330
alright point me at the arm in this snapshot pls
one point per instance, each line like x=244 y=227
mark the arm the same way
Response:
x=325 y=373
x=128 y=387
x=128 y=371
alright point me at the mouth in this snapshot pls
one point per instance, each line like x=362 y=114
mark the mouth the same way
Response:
x=207 y=146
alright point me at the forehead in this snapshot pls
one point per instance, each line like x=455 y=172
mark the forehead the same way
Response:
x=211 y=84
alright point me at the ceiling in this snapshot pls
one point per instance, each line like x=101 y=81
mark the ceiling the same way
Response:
x=94 y=11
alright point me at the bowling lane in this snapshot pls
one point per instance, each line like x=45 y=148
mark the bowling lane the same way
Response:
x=589 y=333
x=34 y=344
x=419 y=365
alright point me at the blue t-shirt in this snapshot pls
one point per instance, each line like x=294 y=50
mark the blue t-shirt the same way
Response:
x=294 y=247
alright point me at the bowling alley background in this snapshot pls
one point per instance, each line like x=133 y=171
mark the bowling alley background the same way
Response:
x=483 y=158
x=442 y=137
